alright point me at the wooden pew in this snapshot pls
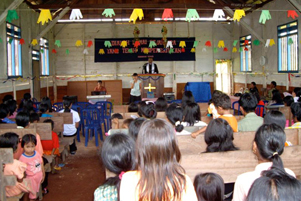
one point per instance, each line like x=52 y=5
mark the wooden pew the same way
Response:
x=20 y=132
x=120 y=109
x=58 y=123
x=68 y=117
x=287 y=113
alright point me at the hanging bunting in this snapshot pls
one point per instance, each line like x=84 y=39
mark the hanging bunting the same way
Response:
x=256 y=42
x=78 y=43
x=53 y=51
x=240 y=49
x=42 y=51
x=76 y=14
x=182 y=44
x=192 y=14
x=290 y=41
x=215 y=50
x=137 y=44
x=1 y=41
x=265 y=15
x=145 y=51
x=195 y=43
x=192 y=50
x=158 y=50
x=221 y=44
x=116 y=51
x=267 y=43
x=123 y=43
x=246 y=49
x=101 y=51
x=11 y=15
x=109 y=12
x=246 y=42
x=67 y=52
x=235 y=43
x=130 y=50
x=225 y=49
x=171 y=50
x=34 y=42
x=272 y=42
x=167 y=13
x=10 y=40
x=218 y=14
x=108 y=44
x=85 y=52
x=234 y=49
x=45 y=16
x=238 y=14
x=208 y=44
x=204 y=49
x=90 y=43
x=183 y=50
x=169 y=44
x=152 y=44
x=58 y=43
x=137 y=13
x=22 y=41
x=292 y=13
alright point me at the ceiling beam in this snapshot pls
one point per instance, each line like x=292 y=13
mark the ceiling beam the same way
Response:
x=15 y=4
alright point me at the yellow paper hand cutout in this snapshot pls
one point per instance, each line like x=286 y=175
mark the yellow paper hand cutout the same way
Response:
x=78 y=43
x=145 y=51
x=192 y=49
x=45 y=16
x=234 y=49
x=221 y=44
x=101 y=51
x=238 y=14
x=34 y=42
x=137 y=12
x=123 y=44
x=272 y=42
x=182 y=44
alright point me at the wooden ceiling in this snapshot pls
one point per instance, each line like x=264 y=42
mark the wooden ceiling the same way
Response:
x=92 y=9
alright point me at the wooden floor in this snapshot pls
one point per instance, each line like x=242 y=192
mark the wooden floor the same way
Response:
x=82 y=174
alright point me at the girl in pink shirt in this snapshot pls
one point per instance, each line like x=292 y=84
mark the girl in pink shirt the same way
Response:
x=35 y=169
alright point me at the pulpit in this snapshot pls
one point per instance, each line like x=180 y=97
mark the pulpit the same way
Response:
x=152 y=85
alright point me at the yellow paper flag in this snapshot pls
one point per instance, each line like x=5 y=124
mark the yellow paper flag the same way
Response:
x=45 y=16
x=192 y=49
x=238 y=14
x=272 y=42
x=234 y=49
x=101 y=51
x=182 y=44
x=123 y=44
x=221 y=44
x=34 y=42
x=145 y=51
x=78 y=43
x=137 y=12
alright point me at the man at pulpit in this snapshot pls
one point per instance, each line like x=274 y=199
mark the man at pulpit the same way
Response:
x=100 y=87
x=150 y=67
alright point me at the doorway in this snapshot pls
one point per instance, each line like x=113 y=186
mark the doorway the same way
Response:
x=223 y=70
x=36 y=71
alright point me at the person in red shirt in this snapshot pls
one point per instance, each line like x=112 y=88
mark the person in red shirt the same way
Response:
x=51 y=147
x=100 y=87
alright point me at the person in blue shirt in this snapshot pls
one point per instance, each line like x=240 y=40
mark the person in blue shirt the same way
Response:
x=4 y=113
x=44 y=109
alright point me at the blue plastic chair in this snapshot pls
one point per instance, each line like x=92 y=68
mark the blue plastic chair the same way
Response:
x=260 y=110
x=83 y=104
x=58 y=106
x=106 y=113
x=233 y=106
x=81 y=123
x=91 y=119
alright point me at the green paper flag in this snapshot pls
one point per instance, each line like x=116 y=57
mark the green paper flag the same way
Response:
x=1 y=40
x=67 y=51
x=11 y=15
x=265 y=15
x=108 y=44
x=58 y=43
x=171 y=51
x=108 y=12
x=290 y=41
x=10 y=40
x=192 y=14
x=215 y=50
x=152 y=44
x=256 y=42
x=131 y=50
x=195 y=43
x=42 y=51
x=235 y=43
x=240 y=49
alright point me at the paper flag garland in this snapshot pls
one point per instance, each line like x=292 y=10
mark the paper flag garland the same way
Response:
x=208 y=44
x=272 y=42
x=171 y=50
x=246 y=42
x=221 y=44
x=246 y=49
x=137 y=13
x=130 y=50
x=215 y=50
x=34 y=42
x=45 y=16
x=265 y=15
x=169 y=44
x=183 y=50
x=292 y=13
x=42 y=51
x=109 y=12
x=10 y=40
x=192 y=14
x=182 y=44
x=145 y=51
x=158 y=50
x=167 y=13
x=240 y=49
x=235 y=43
x=101 y=51
x=67 y=51
x=42 y=42
x=76 y=14
x=90 y=43
x=1 y=41
x=11 y=15
x=238 y=14
x=195 y=43
x=58 y=43
x=22 y=42
x=225 y=49
x=218 y=14
x=116 y=51
x=53 y=51
x=290 y=41
x=108 y=44
x=137 y=44
x=123 y=43
x=85 y=52
x=192 y=49
x=256 y=42
x=78 y=43
x=204 y=50
x=234 y=49
x=152 y=44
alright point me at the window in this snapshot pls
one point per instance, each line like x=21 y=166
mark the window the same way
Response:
x=35 y=55
x=44 y=49
x=288 y=47
x=14 y=52
x=245 y=43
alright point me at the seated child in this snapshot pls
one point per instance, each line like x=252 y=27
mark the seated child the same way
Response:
x=133 y=107
x=126 y=123
x=114 y=120
x=161 y=104
x=174 y=115
x=147 y=110
x=12 y=108
x=34 y=118
x=4 y=114
x=192 y=115
x=288 y=100
x=296 y=111
x=44 y=108
x=134 y=127
x=211 y=109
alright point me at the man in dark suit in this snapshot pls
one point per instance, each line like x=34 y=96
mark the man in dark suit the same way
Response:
x=150 y=67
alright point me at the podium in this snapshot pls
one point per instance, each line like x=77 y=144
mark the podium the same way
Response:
x=95 y=98
x=152 y=85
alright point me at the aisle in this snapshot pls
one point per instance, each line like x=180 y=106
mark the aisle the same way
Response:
x=82 y=174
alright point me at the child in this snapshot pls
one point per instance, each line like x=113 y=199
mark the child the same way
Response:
x=134 y=127
x=174 y=115
x=296 y=111
x=136 y=88
x=276 y=99
x=147 y=110
x=115 y=120
x=34 y=117
x=118 y=156
x=4 y=114
x=159 y=175
x=288 y=100
x=51 y=147
x=187 y=98
x=44 y=108
x=17 y=168
x=275 y=117
x=35 y=169
x=12 y=108
x=297 y=94
x=46 y=100
x=133 y=107
x=209 y=187
x=192 y=115
x=126 y=123
x=161 y=104
x=211 y=109
x=268 y=145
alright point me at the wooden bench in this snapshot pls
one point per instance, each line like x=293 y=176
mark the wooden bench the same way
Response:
x=68 y=117
x=58 y=123
x=287 y=113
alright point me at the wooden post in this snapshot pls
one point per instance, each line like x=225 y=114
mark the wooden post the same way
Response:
x=14 y=88
x=47 y=86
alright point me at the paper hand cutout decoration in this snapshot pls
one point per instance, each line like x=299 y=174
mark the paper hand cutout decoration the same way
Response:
x=123 y=44
x=195 y=43
x=10 y=40
x=204 y=50
x=85 y=52
x=208 y=44
x=256 y=42
x=169 y=44
x=272 y=42
x=292 y=13
x=22 y=42
x=67 y=52
x=137 y=44
x=53 y=51
x=45 y=16
x=221 y=44
x=171 y=50
x=238 y=14
x=130 y=50
x=246 y=49
x=192 y=14
x=137 y=13
x=235 y=42
x=11 y=15
x=290 y=41
x=225 y=49
x=192 y=49
x=167 y=13
x=215 y=50
x=218 y=14
x=158 y=50
x=234 y=49
x=265 y=15
x=90 y=43
x=1 y=41
x=182 y=44
x=58 y=43
x=183 y=50
x=108 y=44
x=34 y=42
x=145 y=51
x=108 y=12
x=240 y=49
x=101 y=51
x=78 y=43
x=75 y=14
x=42 y=51
x=152 y=44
